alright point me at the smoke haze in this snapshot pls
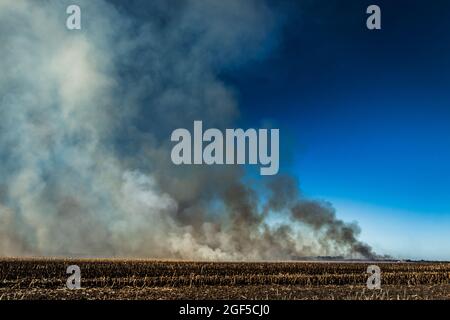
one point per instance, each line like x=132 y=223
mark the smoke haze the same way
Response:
x=85 y=122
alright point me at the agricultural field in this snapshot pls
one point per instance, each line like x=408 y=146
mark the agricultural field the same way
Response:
x=143 y=279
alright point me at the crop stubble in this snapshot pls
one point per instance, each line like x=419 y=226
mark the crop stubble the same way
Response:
x=144 y=279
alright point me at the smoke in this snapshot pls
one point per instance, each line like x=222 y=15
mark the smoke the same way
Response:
x=85 y=121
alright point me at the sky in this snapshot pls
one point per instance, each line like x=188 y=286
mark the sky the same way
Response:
x=364 y=115
x=86 y=121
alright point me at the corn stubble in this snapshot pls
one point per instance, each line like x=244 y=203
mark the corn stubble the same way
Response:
x=144 y=279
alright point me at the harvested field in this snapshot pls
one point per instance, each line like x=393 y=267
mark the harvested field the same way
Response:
x=143 y=279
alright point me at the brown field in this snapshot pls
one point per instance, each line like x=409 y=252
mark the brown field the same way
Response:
x=141 y=279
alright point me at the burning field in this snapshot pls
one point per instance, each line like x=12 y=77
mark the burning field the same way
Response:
x=167 y=280
x=86 y=125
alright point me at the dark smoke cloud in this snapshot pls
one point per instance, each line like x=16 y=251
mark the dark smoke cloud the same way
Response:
x=85 y=121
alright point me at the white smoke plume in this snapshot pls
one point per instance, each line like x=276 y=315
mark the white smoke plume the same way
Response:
x=85 y=121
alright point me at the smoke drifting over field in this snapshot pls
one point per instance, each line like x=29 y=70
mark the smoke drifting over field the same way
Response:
x=85 y=121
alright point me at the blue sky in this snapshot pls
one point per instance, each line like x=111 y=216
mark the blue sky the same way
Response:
x=364 y=115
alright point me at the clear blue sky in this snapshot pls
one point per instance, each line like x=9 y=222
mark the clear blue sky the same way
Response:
x=364 y=115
